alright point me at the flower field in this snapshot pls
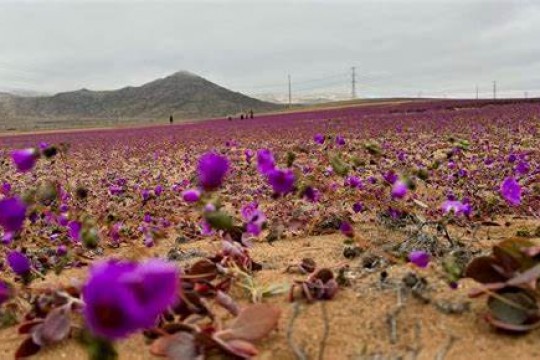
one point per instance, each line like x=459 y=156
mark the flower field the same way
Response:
x=400 y=230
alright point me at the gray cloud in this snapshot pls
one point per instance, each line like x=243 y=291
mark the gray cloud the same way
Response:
x=398 y=47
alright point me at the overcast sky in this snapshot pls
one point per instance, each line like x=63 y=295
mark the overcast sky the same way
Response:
x=398 y=47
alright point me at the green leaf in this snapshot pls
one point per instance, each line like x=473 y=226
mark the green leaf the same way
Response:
x=219 y=220
x=97 y=348
x=339 y=166
x=513 y=306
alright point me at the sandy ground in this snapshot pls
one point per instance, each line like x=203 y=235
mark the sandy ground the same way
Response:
x=359 y=318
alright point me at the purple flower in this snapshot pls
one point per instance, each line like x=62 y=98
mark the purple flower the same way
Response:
x=254 y=218
x=282 y=181
x=62 y=219
x=18 y=262
x=5 y=292
x=456 y=207
x=354 y=182
x=124 y=297
x=249 y=155
x=523 y=168
x=212 y=170
x=12 y=214
x=265 y=161
x=155 y=285
x=311 y=194
x=7 y=239
x=158 y=190
x=253 y=229
x=399 y=189
x=61 y=250
x=145 y=195
x=512 y=158
x=74 y=230
x=148 y=240
x=209 y=207
x=114 y=233
x=248 y=210
x=463 y=173
x=6 y=188
x=319 y=139
x=116 y=190
x=206 y=228
x=358 y=207
x=340 y=140
x=511 y=191
x=25 y=159
x=111 y=309
x=191 y=195
x=147 y=218
x=419 y=258
x=346 y=229
x=390 y=176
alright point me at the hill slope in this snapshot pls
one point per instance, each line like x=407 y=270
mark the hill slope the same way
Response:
x=183 y=94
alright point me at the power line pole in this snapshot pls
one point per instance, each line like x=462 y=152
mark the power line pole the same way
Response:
x=290 y=94
x=477 y=92
x=353 y=83
x=494 y=90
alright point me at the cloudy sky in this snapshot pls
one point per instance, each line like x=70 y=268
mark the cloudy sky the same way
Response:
x=402 y=47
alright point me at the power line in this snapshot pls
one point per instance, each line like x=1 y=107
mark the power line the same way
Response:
x=280 y=85
x=320 y=86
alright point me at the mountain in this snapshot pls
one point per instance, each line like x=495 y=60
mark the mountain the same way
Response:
x=21 y=92
x=183 y=94
x=5 y=95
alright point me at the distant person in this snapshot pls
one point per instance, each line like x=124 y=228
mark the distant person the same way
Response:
x=241 y=116
x=229 y=118
x=251 y=114
x=171 y=120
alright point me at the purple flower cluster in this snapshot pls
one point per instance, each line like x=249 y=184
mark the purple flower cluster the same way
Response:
x=456 y=207
x=254 y=218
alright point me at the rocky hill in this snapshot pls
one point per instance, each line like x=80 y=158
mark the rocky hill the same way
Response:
x=185 y=95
